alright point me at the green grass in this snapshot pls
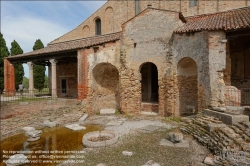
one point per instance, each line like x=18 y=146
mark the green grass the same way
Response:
x=171 y=119
x=145 y=147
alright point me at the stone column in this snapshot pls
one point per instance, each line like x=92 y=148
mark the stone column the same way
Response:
x=31 y=78
x=53 y=78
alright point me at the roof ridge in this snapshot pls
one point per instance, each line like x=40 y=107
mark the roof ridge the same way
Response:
x=214 y=13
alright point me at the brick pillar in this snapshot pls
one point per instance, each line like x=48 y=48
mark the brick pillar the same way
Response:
x=9 y=78
x=31 y=78
x=53 y=77
x=83 y=67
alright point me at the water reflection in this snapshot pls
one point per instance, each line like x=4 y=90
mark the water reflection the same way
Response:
x=52 y=139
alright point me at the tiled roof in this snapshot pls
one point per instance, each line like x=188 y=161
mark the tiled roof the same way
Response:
x=71 y=45
x=228 y=20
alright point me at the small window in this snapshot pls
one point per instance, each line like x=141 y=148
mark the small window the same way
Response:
x=98 y=26
x=137 y=7
x=63 y=86
x=192 y=3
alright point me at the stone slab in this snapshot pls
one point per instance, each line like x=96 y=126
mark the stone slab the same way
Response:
x=149 y=113
x=209 y=161
x=150 y=128
x=49 y=124
x=165 y=142
x=107 y=111
x=182 y=144
x=75 y=127
x=82 y=119
x=127 y=153
x=115 y=123
x=26 y=129
x=226 y=118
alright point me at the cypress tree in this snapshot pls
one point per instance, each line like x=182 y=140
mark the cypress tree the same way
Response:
x=4 y=52
x=39 y=70
x=19 y=71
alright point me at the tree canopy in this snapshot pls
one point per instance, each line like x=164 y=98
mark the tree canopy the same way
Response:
x=39 y=70
x=4 y=52
x=19 y=71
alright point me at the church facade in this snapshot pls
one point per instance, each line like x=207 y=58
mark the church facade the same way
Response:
x=168 y=57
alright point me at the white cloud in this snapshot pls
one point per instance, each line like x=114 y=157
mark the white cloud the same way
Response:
x=25 y=30
x=46 y=20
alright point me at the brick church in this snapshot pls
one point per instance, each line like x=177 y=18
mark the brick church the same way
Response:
x=169 y=57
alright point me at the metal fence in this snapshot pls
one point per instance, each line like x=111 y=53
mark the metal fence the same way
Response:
x=10 y=96
x=236 y=97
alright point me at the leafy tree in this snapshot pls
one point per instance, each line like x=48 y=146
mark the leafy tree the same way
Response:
x=46 y=82
x=4 y=53
x=39 y=70
x=19 y=71
x=25 y=82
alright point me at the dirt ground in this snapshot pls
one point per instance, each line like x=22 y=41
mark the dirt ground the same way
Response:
x=144 y=145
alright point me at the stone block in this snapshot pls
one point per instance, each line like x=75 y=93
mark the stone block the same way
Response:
x=127 y=153
x=107 y=111
x=149 y=113
x=209 y=161
x=211 y=126
x=75 y=127
x=226 y=118
x=220 y=109
x=150 y=128
x=82 y=119
x=165 y=142
x=182 y=144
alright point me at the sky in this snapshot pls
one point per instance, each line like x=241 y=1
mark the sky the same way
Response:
x=27 y=21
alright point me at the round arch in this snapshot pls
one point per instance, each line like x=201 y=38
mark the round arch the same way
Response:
x=149 y=82
x=188 y=86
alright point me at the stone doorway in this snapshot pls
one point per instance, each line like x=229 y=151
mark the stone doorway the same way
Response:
x=188 y=86
x=149 y=87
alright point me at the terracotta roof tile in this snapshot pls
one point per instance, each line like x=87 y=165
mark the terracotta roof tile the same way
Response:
x=71 y=45
x=228 y=20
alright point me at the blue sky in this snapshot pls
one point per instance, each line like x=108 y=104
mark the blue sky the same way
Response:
x=26 y=21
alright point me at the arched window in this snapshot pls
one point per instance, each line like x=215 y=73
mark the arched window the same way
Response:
x=98 y=26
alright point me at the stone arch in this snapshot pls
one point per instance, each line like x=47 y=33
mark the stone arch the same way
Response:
x=98 y=26
x=187 y=80
x=85 y=31
x=149 y=82
x=105 y=86
x=109 y=20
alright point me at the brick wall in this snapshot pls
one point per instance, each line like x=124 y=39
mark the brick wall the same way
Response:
x=9 y=78
x=145 y=39
x=98 y=81
x=114 y=13
x=67 y=71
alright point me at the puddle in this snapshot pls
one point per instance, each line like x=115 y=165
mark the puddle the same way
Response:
x=58 y=139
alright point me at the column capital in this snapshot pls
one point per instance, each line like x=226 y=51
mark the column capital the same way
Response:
x=30 y=64
x=53 y=61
